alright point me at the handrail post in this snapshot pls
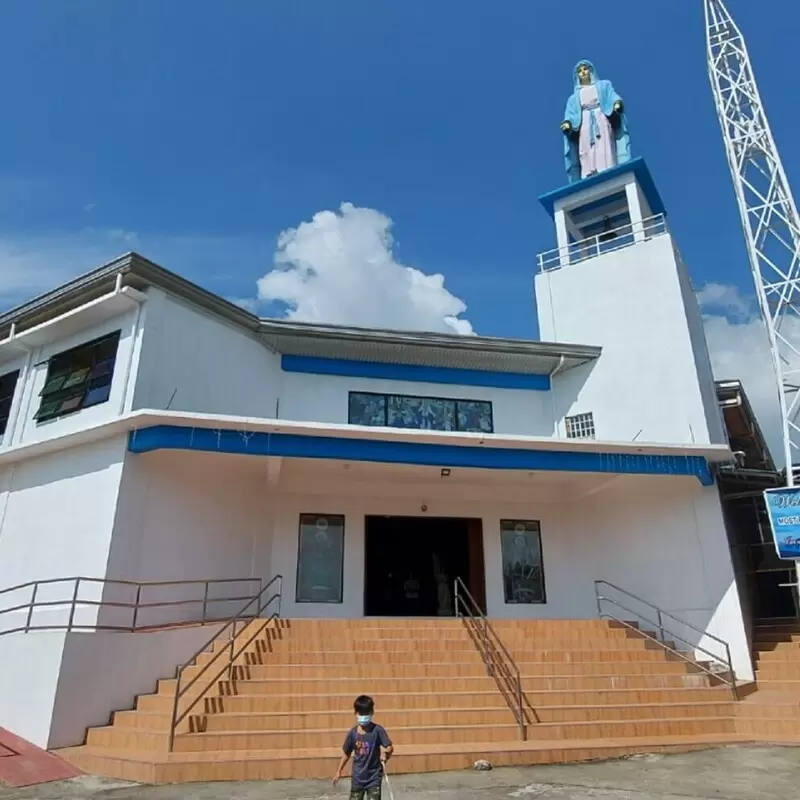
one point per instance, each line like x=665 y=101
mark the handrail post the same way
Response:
x=136 y=602
x=734 y=687
x=73 y=604
x=31 y=607
x=205 y=601
x=660 y=625
x=486 y=646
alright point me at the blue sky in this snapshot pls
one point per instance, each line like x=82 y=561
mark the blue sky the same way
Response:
x=196 y=131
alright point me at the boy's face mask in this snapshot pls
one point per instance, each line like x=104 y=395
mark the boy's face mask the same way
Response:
x=364 y=719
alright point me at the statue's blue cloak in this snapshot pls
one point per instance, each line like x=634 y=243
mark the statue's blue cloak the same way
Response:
x=606 y=97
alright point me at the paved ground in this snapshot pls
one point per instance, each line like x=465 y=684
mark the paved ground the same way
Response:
x=729 y=774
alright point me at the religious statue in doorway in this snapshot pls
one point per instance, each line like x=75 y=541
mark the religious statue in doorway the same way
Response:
x=595 y=128
x=443 y=593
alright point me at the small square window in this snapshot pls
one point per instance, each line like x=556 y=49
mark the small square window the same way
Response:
x=580 y=426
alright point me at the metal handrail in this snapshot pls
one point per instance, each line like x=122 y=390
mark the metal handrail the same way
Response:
x=262 y=605
x=663 y=633
x=498 y=661
x=73 y=601
x=606 y=242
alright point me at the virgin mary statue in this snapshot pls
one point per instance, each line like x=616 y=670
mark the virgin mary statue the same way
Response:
x=595 y=129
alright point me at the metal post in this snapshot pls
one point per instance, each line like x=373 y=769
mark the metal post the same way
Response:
x=486 y=646
x=455 y=588
x=734 y=687
x=173 y=724
x=72 y=606
x=136 y=607
x=660 y=625
x=31 y=607
x=205 y=601
x=522 y=731
x=598 y=598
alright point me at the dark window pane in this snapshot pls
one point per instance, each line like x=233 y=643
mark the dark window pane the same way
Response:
x=320 y=559
x=475 y=415
x=367 y=409
x=102 y=368
x=97 y=395
x=523 y=572
x=422 y=413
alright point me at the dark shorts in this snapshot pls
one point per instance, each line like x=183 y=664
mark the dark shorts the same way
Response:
x=366 y=794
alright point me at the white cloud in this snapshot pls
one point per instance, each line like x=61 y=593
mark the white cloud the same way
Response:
x=340 y=268
x=737 y=342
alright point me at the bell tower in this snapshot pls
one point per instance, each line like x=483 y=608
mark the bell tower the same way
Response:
x=616 y=279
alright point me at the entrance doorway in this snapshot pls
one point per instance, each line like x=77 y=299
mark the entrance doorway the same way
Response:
x=411 y=564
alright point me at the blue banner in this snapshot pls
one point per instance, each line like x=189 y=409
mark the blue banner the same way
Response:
x=783 y=509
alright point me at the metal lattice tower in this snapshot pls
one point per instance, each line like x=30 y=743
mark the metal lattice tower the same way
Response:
x=767 y=209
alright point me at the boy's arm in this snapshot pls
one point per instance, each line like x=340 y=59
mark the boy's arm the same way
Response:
x=386 y=744
x=347 y=751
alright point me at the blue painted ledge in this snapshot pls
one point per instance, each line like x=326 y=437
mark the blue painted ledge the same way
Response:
x=415 y=373
x=290 y=445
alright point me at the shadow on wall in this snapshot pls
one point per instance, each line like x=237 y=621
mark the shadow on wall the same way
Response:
x=565 y=391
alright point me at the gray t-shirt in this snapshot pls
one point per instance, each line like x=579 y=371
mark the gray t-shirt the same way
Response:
x=365 y=748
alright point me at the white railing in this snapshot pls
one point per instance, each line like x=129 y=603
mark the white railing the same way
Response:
x=606 y=242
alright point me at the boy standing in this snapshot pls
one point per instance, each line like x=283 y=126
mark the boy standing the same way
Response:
x=364 y=743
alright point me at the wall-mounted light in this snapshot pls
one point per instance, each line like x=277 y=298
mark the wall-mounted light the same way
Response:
x=445 y=473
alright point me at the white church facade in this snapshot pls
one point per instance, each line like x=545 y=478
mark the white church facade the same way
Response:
x=152 y=431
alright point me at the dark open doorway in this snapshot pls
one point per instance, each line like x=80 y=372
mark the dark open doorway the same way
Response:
x=411 y=564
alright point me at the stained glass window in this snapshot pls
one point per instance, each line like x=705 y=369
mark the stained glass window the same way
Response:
x=78 y=378
x=367 y=409
x=320 y=559
x=523 y=570
x=420 y=413
x=475 y=416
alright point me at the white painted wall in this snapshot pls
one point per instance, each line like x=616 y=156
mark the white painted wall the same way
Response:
x=28 y=430
x=192 y=361
x=189 y=516
x=645 y=386
x=56 y=516
x=29 y=667
x=324 y=398
x=702 y=359
x=117 y=667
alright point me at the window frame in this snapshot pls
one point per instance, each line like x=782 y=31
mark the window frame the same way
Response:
x=81 y=370
x=297 y=598
x=538 y=525
x=583 y=420
x=13 y=378
x=387 y=395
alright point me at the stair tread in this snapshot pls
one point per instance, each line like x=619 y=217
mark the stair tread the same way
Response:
x=449 y=709
x=410 y=750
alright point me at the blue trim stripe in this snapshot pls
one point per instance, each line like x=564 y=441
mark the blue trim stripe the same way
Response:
x=290 y=445
x=639 y=168
x=414 y=373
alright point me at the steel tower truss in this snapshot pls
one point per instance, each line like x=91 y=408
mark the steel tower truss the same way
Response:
x=767 y=209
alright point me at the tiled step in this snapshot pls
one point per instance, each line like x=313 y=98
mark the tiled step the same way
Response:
x=472 y=668
x=778 y=670
x=481 y=698
x=355 y=686
x=148 y=767
x=224 y=742
x=333 y=658
x=400 y=718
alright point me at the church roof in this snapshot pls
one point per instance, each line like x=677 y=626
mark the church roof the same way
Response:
x=304 y=339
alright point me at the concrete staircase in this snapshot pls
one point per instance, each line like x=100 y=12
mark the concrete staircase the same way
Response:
x=772 y=713
x=592 y=690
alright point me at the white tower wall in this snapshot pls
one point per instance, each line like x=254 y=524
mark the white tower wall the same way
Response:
x=636 y=302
